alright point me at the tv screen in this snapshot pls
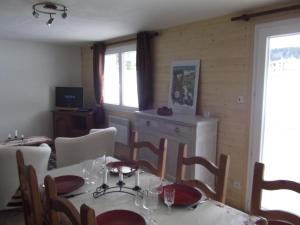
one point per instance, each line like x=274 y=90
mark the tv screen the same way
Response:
x=69 y=97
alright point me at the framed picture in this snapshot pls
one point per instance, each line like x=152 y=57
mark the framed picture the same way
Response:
x=184 y=86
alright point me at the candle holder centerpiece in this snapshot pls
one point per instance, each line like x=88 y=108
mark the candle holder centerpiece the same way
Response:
x=15 y=137
x=119 y=168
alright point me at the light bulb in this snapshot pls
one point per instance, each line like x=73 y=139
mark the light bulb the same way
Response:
x=49 y=22
x=64 y=15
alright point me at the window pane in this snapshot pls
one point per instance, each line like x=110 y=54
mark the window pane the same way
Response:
x=111 y=84
x=129 y=82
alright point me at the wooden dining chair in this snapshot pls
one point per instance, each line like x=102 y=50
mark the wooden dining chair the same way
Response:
x=220 y=173
x=61 y=208
x=277 y=217
x=160 y=152
x=33 y=211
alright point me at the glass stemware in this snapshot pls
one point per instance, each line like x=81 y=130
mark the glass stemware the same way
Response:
x=169 y=197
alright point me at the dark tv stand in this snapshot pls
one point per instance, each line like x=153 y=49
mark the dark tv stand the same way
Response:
x=72 y=123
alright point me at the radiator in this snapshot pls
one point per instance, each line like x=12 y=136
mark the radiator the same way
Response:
x=122 y=126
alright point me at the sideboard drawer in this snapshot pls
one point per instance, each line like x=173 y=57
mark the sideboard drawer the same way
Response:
x=145 y=123
x=177 y=130
x=164 y=127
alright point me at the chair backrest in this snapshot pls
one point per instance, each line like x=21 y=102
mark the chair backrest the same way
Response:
x=58 y=206
x=74 y=150
x=220 y=173
x=257 y=187
x=33 y=211
x=160 y=152
x=37 y=156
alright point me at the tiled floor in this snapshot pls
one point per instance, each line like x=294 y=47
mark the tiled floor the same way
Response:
x=14 y=217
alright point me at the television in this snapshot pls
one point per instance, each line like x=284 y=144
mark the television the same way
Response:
x=69 y=97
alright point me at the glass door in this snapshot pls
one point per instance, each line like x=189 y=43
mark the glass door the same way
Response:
x=275 y=119
x=280 y=150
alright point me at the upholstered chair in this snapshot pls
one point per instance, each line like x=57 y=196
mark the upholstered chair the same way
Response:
x=37 y=156
x=75 y=150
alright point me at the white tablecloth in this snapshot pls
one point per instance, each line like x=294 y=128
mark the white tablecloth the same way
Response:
x=208 y=213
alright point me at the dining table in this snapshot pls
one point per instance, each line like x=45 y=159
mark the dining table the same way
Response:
x=209 y=212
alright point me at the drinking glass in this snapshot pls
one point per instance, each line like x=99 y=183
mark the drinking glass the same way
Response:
x=100 y=165
x=150 y=203
x=169 y=197
x=156 y=185
x=88 y=171
x=138 y=201
x=84 y=170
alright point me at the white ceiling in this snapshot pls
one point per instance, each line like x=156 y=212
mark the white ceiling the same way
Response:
x=95 y=20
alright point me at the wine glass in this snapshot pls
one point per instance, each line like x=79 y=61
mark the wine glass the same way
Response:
x=150 y=203
x=169 y=197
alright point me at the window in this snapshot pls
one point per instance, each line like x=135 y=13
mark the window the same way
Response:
x=120 y=82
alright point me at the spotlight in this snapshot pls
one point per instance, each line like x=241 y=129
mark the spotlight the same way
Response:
x=35 y=14
x=49 y=22
x=64 y=15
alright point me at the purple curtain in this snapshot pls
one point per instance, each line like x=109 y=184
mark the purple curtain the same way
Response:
x=98 y=69
x=144 y=71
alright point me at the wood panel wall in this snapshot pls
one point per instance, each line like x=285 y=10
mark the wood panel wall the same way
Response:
x=225 y=49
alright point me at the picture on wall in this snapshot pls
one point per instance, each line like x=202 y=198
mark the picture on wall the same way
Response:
x=184 y=86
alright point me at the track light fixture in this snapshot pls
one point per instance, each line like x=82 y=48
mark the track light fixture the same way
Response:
x=50 y=9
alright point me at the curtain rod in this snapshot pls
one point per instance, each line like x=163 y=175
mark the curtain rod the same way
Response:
x=154 y=34
x=247 y=17
x=120 y=42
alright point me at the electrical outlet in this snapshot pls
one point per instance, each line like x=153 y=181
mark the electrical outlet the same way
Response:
x=236 y=185
x=240 y=99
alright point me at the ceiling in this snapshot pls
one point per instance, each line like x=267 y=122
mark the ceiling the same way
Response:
x=95 y=20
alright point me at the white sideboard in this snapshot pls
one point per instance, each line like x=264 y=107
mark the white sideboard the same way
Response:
x=199 y=133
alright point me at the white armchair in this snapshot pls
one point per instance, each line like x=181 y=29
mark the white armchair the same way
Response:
x=37 y=156
x=74 y=150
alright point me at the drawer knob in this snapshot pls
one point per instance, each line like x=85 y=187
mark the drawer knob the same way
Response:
x=177 y=129
x=148 y=123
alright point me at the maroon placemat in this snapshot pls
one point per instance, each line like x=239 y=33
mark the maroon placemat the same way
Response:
x=120 y=217
x=272 y=222
x=184 y=194
x=261 y=222
x=68 y=183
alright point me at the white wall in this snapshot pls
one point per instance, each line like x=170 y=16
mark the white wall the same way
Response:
x=29 y=72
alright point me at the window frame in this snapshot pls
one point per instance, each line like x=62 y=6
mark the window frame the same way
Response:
x=119 y=50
